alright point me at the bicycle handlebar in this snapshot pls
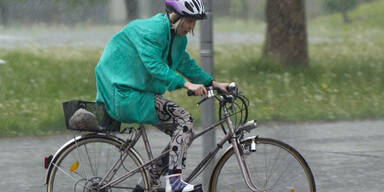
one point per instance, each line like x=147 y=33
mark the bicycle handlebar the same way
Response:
x=209 y=88
x=231 y=89
x=190 y=93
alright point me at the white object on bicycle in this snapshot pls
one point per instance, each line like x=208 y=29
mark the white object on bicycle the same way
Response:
x=253 y=146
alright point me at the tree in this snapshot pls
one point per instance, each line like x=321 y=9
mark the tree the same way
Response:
x=342 y=6
x=286 y=38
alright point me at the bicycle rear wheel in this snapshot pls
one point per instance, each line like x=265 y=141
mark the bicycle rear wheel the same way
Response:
x=273 y=166
x=82 y=163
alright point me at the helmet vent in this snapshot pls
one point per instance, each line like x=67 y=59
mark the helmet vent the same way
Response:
x=196 y=5
x=188 y=6
x=198 y=2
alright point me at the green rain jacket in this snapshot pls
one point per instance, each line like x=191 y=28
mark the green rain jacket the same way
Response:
x=134 y=68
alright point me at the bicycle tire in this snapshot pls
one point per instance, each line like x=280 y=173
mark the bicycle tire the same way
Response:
x=288 y=172
x=90 y=170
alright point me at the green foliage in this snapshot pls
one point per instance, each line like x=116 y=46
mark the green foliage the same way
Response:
x=34 y=84
x=339 y=5
x=369 y=15
x=367 y=21
x=338 y=85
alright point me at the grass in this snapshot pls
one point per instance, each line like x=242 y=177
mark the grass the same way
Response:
x=336 y=88
x=344 y=80
x=33 y=85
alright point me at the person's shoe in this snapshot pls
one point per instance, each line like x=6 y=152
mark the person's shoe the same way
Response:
x=175 y=184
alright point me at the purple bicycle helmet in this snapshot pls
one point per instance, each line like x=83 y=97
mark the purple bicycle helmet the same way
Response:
x=189 y=8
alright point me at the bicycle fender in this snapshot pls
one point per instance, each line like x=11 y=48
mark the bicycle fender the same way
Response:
x=249 y=138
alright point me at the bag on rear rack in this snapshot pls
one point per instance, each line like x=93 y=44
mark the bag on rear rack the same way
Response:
x=88 y=116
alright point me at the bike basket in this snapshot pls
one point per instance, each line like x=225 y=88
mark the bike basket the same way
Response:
x=88 y=116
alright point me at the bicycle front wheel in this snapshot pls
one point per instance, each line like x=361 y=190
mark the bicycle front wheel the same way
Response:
x=273 y=166
x=81 y=165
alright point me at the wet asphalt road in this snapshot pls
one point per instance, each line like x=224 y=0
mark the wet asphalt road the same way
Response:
x=344 y=156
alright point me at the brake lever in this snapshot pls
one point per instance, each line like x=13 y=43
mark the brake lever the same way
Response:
x=201 y=101
x=210 y=94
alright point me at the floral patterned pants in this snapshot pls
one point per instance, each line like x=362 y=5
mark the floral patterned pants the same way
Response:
x=176 y=122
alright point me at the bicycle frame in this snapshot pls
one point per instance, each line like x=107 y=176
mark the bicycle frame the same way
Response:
x=230 y=136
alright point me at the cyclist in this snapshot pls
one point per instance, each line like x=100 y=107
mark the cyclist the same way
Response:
x=139 y=64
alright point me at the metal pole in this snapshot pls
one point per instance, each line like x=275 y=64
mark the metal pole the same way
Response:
x=206 y=57
x=144 y=8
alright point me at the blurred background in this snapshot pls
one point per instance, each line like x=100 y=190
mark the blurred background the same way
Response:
x=296 y=60
x=16 y=12
x=27 y=20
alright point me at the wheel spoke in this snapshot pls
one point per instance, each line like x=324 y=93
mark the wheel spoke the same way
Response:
x=82 y=165
x=274 y=166
x=94 y=173
x=69 y=175
x=80 y=159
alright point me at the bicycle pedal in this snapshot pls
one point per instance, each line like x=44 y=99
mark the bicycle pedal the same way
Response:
x=198 y=188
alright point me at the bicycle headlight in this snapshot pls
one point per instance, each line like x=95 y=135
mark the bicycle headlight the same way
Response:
x=232 y=89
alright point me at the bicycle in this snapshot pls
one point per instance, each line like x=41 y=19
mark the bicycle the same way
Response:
x=100 y=161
